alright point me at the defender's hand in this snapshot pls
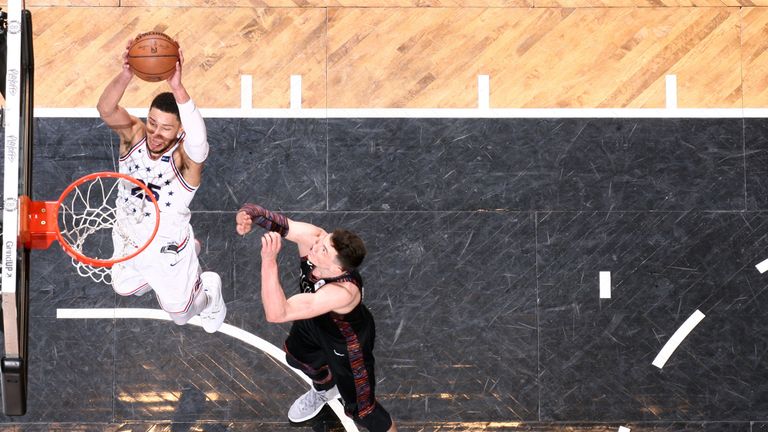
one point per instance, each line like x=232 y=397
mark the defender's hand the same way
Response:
x=244 y=223
x=271 y=243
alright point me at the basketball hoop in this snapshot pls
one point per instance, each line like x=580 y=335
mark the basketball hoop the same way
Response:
x=89 y=214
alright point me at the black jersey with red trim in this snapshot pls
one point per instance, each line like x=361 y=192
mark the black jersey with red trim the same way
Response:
x=346 y=341
x=357 y=317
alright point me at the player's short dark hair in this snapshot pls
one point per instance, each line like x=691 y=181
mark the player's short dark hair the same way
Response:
x=350 y=248
x=165 y=102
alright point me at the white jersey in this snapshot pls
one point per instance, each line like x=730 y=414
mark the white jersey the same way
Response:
x=163 y=178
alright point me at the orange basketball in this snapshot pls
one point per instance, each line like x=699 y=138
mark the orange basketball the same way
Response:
x=153 y=56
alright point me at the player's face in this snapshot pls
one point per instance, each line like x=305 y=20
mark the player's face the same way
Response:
x=162 y=131
x=322 y=253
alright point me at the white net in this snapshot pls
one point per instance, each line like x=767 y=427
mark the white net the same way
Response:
x=99 y=219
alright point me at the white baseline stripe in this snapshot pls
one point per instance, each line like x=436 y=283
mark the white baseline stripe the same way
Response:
x=677 y=338
x=437 y=112
x=227 y=329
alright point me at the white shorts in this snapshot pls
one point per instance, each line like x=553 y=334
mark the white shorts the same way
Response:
x=168 y=265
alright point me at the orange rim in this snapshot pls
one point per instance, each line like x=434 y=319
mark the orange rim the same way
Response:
x=95 y=262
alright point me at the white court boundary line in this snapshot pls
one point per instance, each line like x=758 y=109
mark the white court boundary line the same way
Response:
x=677 y=338
x=341 y=113
x=227 y=329
x=483 y=109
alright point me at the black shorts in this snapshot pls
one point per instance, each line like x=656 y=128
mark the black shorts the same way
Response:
x=332 y=352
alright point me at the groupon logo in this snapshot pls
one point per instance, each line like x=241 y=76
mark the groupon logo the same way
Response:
x=14 y=27
x=11 y=204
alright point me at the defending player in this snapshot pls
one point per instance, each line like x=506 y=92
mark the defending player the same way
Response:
x=332 y=336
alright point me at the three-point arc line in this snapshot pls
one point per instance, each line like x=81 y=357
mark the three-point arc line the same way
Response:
x=227 y=329
x=762 y=266
x=677 y=338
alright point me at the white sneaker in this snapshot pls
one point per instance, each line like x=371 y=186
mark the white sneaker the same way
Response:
x=212 y=317
x=310 y=404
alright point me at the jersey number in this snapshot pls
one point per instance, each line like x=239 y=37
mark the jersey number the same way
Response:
x=139 y=192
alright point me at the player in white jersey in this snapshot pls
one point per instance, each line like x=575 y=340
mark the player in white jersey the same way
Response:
x=167 y=154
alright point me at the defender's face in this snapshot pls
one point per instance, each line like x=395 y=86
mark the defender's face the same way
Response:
x=322 y=253
x=162 y=131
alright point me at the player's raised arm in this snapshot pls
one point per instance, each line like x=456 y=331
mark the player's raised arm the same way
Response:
x=195 y=147
x=301 y=233
x=116 y=117
x=174 y=81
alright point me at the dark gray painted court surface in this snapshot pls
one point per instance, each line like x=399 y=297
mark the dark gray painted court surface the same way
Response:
x=485 y=241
